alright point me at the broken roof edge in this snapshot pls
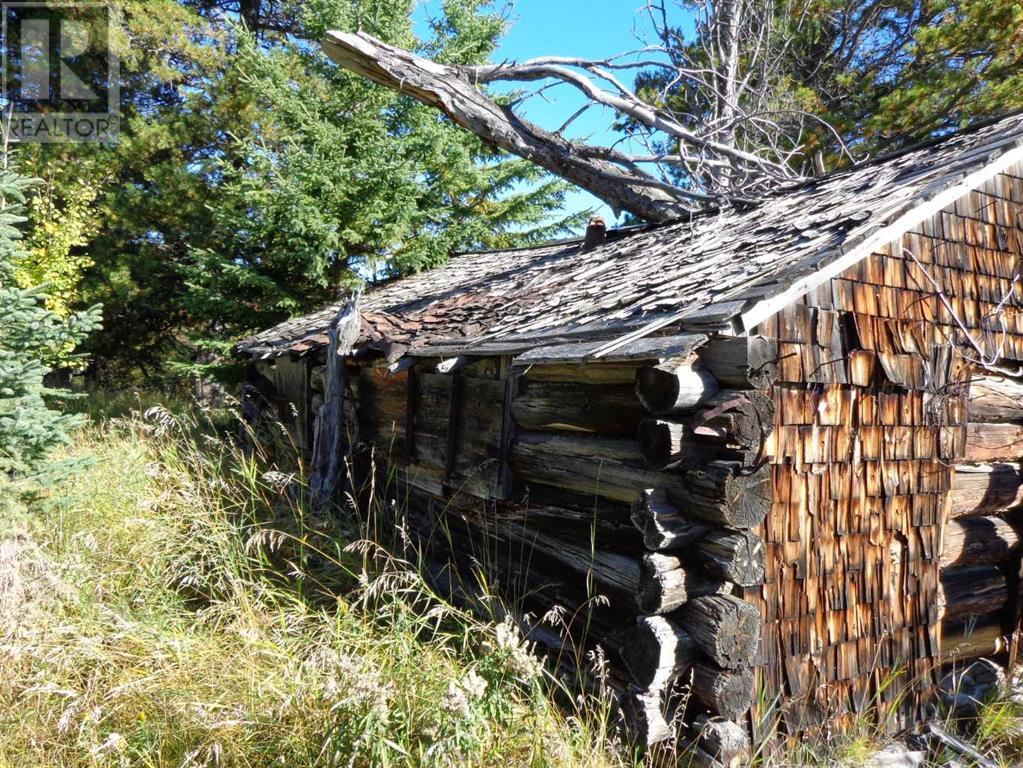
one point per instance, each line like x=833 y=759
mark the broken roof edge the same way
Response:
x=931 y=202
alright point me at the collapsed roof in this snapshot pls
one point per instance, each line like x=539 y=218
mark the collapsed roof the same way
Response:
x=727 y=269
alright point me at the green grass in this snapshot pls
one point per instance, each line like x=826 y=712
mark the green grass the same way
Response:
x=175 y=604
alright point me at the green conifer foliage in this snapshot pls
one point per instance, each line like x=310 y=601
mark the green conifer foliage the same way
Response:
x=31 y=339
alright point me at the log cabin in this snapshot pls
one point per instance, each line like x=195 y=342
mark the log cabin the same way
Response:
x=782 y=441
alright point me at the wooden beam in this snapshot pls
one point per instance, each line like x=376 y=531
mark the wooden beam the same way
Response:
x=411 y=398
x=724 y=627
x=658 y=348
x=986 y=488
x=978 y=540
x=995 y=398
x=674 y=385
x=972 y=591
x=454 y=416
x=512 y=386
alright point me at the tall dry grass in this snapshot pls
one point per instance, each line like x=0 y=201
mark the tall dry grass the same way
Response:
x=177 y=604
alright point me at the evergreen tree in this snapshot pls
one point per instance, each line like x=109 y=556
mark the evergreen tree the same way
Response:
x=31 y=338
x=253 y=178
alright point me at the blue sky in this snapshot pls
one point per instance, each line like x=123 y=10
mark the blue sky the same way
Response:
x=586 y=28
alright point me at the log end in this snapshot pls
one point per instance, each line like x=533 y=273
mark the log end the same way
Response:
x=657 y=389
x=660 y=442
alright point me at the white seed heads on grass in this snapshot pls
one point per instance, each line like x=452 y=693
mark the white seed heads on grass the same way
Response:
x=462 y=693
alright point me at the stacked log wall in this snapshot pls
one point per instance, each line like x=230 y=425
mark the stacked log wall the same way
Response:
x=864 y=597
x=679 y=621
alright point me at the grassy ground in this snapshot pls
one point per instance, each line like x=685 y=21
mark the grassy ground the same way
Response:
x=175 y=604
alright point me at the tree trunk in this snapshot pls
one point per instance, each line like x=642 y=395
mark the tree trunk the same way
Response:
x=449 y=90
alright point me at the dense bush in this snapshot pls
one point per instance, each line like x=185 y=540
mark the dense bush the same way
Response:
x=32 y=338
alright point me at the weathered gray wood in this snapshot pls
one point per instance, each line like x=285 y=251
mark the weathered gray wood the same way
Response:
x=978 y=636
x=666 y=584
x=609 y=374
x=725 y=628
x=610 y=410
x=741 y=362
x=512 y=387
x=726 y=493
x=595 y=466
x=644 y=349
x=995 y=398
x=993 y=442
x=448 y=89
x=725 y=692
x=721 y=492
x=514 y=566
x=616 y=573
x=657 y=651
x=972 y=591
x=329 y=442
x=663 y=584
x=736 y=556
x=986 y=488
x=411 y=397
x=674 y=385
x=978 y=541
x=663 y=526
x=730 y=421
x=719 y=743
x=606 y=523
x=318 y=378
x=644 y=714
x=663 y=443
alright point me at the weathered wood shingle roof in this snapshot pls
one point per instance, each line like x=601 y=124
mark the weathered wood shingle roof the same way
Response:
x=729 y=266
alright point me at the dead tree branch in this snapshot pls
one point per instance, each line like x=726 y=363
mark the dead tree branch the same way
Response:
x=452 y=91
x=710 y=116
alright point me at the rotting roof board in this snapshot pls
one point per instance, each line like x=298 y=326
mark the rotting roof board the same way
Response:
x=734 y=266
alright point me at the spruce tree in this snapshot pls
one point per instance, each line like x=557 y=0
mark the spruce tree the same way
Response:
x=31 y=339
